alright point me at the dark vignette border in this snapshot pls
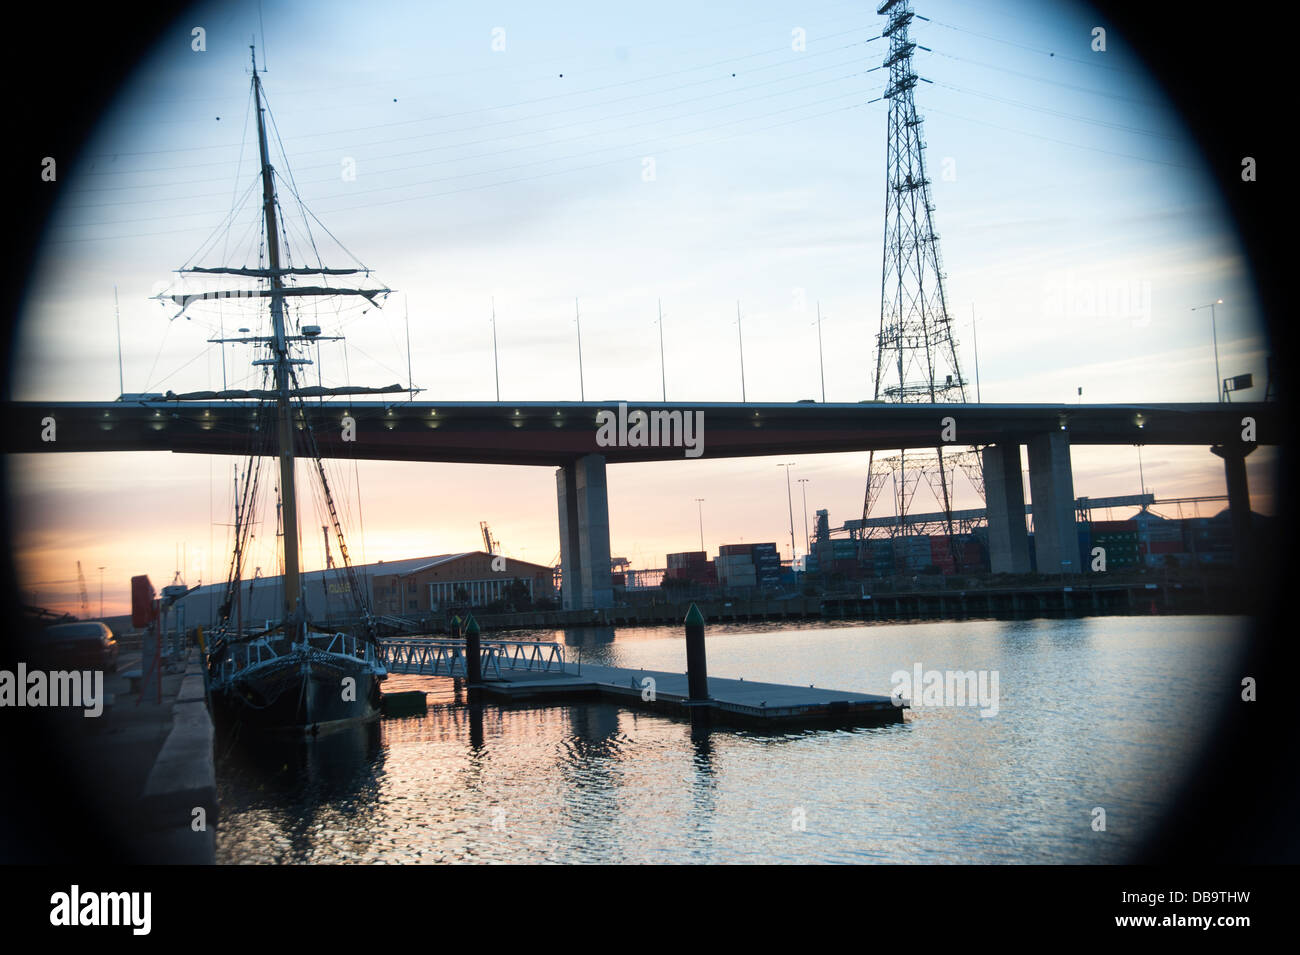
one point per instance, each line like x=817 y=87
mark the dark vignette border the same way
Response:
x=64 y=69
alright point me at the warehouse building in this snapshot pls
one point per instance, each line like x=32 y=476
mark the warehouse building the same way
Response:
x=474 y=579
x=414 y=587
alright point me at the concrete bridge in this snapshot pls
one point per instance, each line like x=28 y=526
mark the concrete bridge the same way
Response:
x=579 y=439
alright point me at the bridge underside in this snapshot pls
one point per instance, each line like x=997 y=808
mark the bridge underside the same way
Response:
x=556 y=434
x=567 y=436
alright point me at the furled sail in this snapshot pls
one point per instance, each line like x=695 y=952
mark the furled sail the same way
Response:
x=312 y=391
x=265 y=273
x=291 y=292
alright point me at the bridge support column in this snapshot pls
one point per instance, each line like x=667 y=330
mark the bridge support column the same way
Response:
x=1051 y=487
x=1234 y=469
x=566 y=488
x=584 y=534
x=1004 y=492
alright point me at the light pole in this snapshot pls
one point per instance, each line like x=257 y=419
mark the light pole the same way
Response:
x=740 y=334
x=663 y=374
x=821 y=356
x=101 y=593
x=582 y=388
x=789 y=499
x=806 y=536
x=699 y=505
x=406 y=317
x=496 y=368
x=1214 y=332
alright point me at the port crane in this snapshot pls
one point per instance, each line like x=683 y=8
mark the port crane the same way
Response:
x=85 y=597
x=492 y=545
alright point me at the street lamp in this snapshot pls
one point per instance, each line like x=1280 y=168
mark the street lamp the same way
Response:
x=806 y=536
x=789 y=499
x=582 y=387
x=663 y=373
x=740 y=335
x=699 y=505
x=496 y=366
x=101 y=593
x=1214 y=332
x=821 y=356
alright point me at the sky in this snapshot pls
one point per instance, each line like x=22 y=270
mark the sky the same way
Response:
x=509 y=157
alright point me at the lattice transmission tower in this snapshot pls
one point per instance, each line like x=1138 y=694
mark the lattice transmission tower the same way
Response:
x=916 y=355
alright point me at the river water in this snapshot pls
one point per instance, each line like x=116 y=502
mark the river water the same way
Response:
x=1103 y=712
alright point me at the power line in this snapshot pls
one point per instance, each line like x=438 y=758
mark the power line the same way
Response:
x=643 y=142
x=1061 y=83
x=1062 y=142
x=1119 y=127
x=557 y=172
x=513 y=135
x=1034 y=49
x=542 y=99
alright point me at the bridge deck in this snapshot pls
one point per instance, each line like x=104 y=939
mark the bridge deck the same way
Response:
x=552 y=434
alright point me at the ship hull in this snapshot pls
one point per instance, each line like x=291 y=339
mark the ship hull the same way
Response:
x=302 y=692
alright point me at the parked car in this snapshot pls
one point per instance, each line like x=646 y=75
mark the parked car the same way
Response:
x=83 y=645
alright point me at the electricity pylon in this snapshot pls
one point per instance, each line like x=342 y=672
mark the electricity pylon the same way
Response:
x=916 y=355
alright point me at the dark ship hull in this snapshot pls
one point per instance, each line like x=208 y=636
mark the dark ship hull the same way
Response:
x=305 y=691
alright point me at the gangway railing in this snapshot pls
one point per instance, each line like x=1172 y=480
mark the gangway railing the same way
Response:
x=447 y=657
x=398 y=622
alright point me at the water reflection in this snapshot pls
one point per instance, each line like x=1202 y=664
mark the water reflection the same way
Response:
x=704 y=789
x=1106 y=712
x=298 y=789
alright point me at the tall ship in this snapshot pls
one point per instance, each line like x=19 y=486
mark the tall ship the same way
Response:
x=310 y=669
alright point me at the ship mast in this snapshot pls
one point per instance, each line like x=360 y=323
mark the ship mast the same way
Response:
x=281 y=362
x=286 y=390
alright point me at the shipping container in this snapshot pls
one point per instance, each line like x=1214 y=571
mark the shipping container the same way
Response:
x=1121 y=549
x=1165 y=547
x=915 y=562
x=1113 y=527
x=739 y=580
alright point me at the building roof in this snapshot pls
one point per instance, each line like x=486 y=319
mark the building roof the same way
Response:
x=409 y=565
x=381 y=568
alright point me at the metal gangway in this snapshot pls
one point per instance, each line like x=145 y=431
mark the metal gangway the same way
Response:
x=447 y=657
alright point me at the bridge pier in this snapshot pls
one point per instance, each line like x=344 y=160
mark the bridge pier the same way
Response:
x=1004 y=492
x=1234 y=469
x=1051 y=488
x=583 y=500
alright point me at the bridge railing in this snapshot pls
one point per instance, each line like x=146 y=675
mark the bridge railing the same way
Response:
x=447 y=657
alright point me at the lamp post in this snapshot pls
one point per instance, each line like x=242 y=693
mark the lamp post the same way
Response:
x=101 y=593
x=821 y=355
x=581 y=386
x=663 y=374
x=699 y=505
x=740 y=334
x=806 y=536
x=789 y=499
x=1214 y=332
x=496 y=368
